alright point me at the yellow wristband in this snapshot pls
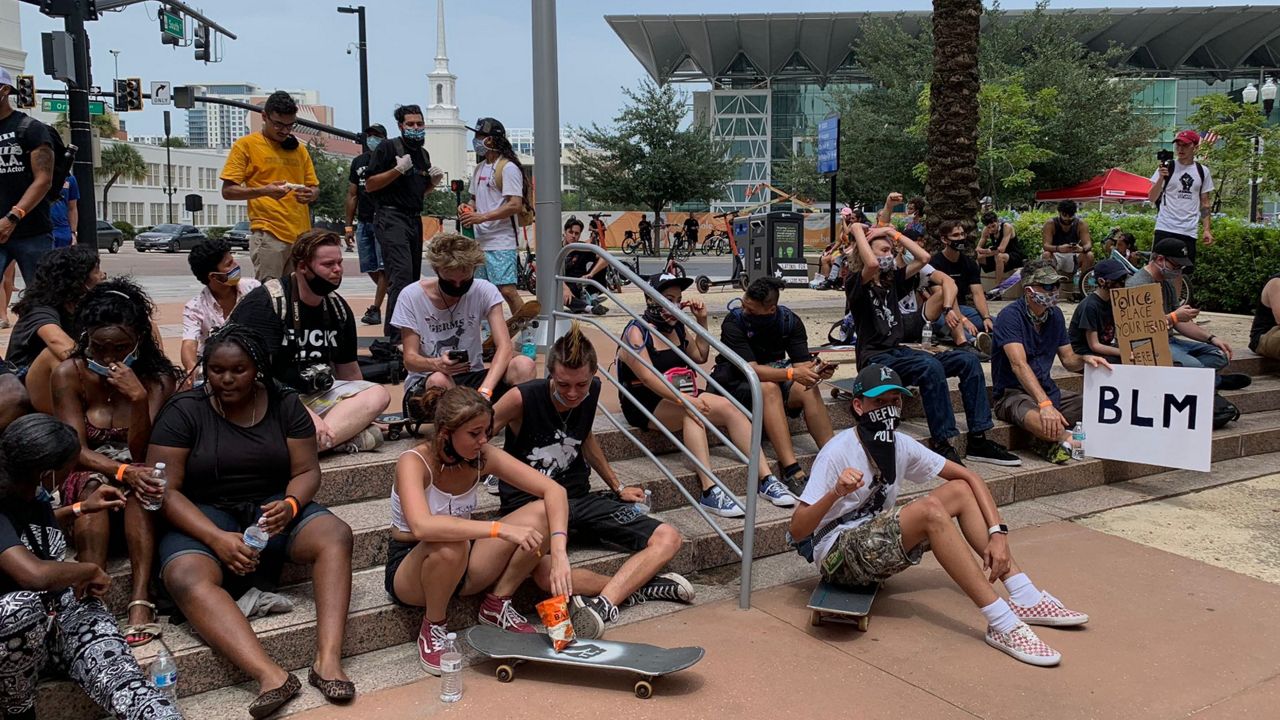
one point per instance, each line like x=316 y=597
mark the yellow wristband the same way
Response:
x=493 y=529
x=1045 y=404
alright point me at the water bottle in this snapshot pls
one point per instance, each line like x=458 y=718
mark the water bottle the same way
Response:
x=255 y=537
x=468 y=231
x=646 y=505
x=157 y=477
x=527 y=347
x=451 y=670
x=926 y=335
x=1077 y=442
x=164 y=673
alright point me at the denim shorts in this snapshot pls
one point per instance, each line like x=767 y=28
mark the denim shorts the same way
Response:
x=367 y=247
x=499 y=267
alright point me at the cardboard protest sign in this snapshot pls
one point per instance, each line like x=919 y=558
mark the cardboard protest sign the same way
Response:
x=1142 y=329
x=1155 y=415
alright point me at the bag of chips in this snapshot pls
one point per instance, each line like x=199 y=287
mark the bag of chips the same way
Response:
x=555 y=615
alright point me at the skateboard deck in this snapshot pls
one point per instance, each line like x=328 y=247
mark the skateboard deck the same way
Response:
x=515 y=325
x=839 y=604
x=647 y=661
x=396 y=424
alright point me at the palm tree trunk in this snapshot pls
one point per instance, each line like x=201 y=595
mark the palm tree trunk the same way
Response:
x=952 y=187
x=106 y=207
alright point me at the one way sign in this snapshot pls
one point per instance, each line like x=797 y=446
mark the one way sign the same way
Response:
x=161 y=92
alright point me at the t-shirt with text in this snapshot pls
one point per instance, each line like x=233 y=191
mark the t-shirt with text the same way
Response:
x=497 y=234
x=443 y=329
x=365 y=205
x=325 y=333
x=877 y=318
x=30 y=524
x=16 y=145
x=1180 y=202
x=550 y=441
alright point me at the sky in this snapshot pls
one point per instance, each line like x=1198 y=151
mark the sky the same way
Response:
x=302 y=44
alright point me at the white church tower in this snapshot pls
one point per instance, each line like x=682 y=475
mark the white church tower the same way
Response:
x=447 y=136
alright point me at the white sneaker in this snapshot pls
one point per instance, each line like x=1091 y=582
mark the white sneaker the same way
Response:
x=1022 y=643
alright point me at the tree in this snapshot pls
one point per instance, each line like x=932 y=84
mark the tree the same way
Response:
x=119 y=160
x=798 y=175
x=332 y=172
x=1232 y=159
x=951 y=154
x=104 y=125
x=648 y=160
x=174 y=142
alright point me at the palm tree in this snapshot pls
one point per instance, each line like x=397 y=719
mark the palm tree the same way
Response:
x=103 y=125
x=119 y=160
x=952 y=139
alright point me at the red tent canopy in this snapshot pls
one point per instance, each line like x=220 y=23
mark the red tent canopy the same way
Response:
x=1114 y=185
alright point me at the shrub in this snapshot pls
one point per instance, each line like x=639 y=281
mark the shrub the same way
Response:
x=217 y=231
x=127 y=228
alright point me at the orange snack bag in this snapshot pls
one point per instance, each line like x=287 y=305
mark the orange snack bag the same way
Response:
x=555 y=615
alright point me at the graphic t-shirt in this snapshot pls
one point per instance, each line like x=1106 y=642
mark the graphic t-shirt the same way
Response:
x=786 y=339
x=325 y=333
x=1180 y=203
x=1093 y=313
x=16 y=145
x=909 y=303
x=964 y=271
x=29 y=524
x=59 y=212
x=497 y=234
x=365 y=205
x=1041 y=343
x=406 y=191
x=443 y=329
x=877 y=319
x=255 y=161
x=551 y=441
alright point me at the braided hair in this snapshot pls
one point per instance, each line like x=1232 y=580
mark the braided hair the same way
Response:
x=503 y=147
x=247 y=340
x=121 y=301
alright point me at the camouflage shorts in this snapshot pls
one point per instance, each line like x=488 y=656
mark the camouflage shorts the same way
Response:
x=870 y=553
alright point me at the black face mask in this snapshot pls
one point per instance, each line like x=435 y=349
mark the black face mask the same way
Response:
x=877 y=430
x=760 y=324
x=321 y=286
x=657 y=317
x=455 y=289
x=289 y=143
x=451 y=457
x=956 y=245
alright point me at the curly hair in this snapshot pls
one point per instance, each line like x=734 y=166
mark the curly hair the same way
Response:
x=572 y=350
x=405 y=111
x=206 y=256
x=34 y=444
x=60 y=279
x=450 y=251
x=280 y=103
x=305 y=247
x=247 y=340
x=121 y=301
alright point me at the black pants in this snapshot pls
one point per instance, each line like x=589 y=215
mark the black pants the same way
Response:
x=400 y=237
x=1188 y=240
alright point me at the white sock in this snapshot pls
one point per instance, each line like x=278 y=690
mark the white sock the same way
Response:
x=1000 y=616
x=1021 y=591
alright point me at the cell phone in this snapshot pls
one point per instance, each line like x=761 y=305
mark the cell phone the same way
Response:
x=294 y=186
x=458 y=356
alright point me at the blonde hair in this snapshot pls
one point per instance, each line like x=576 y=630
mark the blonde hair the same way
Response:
x=451 y=251
x=572 y=350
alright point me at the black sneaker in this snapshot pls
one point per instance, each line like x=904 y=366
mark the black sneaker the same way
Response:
x=985 y=450
x=1234 y=381
x=672 y=587
x=795 y=482
x=372 y=316
x=589 y=616
x=599 y=310
x=971 y=348
x=490 y=483
x=944 y=448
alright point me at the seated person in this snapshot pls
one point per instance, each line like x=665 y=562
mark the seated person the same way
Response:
x=311 y=332
x=214 y=266
x=773 y=340
x=14 y=401
x=858 y=536
x=240 y=451
x=109 y=392
x=1093 y=325
x=582 y=264
x=1030 y=332
x=874 y=295
x=971 y=303
x=924 y=297
x=1067 y=244
x=1190 y=344
x=548 y=423
x=1264 y=338
x=1004 y=253
x=437 y=550
x=653 y=340
x=1123 y=243
x=831 y=262
x=52 y=620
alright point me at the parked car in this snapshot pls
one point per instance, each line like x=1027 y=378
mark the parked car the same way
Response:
x=110 y=237
x=238 y=236
x=168 y=237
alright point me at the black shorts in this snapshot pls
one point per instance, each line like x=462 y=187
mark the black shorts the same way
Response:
x=649 y=400
x=600 y=518
x=741 y=392
x=475 y=379
x=1016 y=260
x=913 y=325
x=397 y=551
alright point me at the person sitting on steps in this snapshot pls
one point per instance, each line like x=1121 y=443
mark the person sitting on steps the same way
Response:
x=549 y=426
x=998 y=247
x=216 y=268
x=586 y=265
x=1066 y=241
x=851 y=528
x=437 y=550
x=1264 y=337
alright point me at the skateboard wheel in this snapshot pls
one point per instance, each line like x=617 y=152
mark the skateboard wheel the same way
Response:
x=863 y=622
x=394 y=434
x=505 y=673
x=644 y=690
x=815 y=618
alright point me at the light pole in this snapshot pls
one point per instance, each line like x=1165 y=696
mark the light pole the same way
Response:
x=364 y=69
x=115 y=54
x=1251 y=95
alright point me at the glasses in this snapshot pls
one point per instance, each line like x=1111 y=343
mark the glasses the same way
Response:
x=282 y=127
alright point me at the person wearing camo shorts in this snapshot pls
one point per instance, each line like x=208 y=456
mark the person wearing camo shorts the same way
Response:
x=849 y=525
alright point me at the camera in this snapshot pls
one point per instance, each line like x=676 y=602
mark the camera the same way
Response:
x=1166 y=158
x=315 y=378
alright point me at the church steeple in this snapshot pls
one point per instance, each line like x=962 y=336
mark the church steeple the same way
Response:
x=442 y=104
x=442 y=55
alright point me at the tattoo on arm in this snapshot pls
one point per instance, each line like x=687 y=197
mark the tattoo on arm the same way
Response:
x=42 y=160
x=1205 y=211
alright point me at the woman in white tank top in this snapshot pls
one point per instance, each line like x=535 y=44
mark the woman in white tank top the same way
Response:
x=437 y=550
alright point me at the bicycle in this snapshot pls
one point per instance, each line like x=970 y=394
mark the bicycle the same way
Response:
x=632 y=245
x=527 y=270
x=1088 y=283
x=597 y=230
x=715 y=242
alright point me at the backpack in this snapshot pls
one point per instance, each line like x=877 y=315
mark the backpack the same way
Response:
x=63 y=157
x=1163 y=190
x=384 y=364
x=276 y=290
x=525 y=217
x=1224 y=411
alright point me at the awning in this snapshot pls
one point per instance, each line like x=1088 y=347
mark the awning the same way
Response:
x=1114 y=185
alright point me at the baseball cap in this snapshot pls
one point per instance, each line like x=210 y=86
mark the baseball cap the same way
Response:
x=376 y=129
x=875 y=380
x=1110 y=269
x=846 y=212
x=488 y=126
x=1173 y=249
x=1191 y=137
x=6 y=78
x=1043 y=275
x=662 y=281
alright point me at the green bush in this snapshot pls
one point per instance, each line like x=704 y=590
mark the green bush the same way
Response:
x=213 y=233
x=127 y=228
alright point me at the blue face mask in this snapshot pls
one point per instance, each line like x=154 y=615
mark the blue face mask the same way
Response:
x=105 y=371
x=415 y=134
x=477 y=144
x=373 y=143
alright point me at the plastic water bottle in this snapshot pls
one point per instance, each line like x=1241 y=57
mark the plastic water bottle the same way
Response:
x=451 y=670
x=1077 y=442
x=527 y=347
x=164 y=673
x=926 y=335
x=646 y=505
x=255 y=537
x=157 y=477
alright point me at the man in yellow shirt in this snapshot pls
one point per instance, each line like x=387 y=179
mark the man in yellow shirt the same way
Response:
x=274 y=173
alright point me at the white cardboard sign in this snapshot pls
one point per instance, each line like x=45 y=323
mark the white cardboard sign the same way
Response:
x=1154 y=415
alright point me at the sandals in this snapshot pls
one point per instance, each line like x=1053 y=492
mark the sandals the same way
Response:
x=335 y=691
x=139 y=635
x=272 y=700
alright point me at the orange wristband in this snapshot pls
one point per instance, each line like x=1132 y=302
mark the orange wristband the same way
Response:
x=75 y=509
x=120 y=472
x=486 y=392
x=791 y=374
x=18 y=211
x=1045 y=404
x=293 y=503
x=1173 y=318
x=493 y=529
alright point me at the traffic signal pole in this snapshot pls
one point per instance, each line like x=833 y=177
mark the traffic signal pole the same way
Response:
x=81 y=129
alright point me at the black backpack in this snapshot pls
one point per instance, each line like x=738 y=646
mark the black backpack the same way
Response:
x=1165 y=188
x=384 y=364
x=63 y=157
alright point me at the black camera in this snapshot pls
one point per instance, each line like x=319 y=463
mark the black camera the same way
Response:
x=315 y=378
x=1166 y=158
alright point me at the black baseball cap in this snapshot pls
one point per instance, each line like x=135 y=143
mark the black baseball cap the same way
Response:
x=1110 y=269
x=875 y=380
x=375 y=130
x=489 y=126
x=662 y=281
x=1173 y=249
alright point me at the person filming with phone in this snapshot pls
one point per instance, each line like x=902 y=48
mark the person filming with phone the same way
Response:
x=1180 y=190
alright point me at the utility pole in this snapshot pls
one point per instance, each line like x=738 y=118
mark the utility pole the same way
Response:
x=364 y=69
x=169 y=190
x=78 y=117
x=115 y=55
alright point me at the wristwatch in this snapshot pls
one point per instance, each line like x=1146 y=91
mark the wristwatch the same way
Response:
x=1001 y=528
x=13 y=217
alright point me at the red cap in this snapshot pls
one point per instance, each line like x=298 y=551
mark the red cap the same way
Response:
x=1190 y=137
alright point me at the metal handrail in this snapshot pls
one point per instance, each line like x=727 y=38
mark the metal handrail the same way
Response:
x=747 y=550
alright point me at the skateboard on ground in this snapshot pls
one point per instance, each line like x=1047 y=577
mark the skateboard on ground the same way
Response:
x=396 y=425
x=829 y=355
x=647 y=661
x=839 y=604
x=515 y=325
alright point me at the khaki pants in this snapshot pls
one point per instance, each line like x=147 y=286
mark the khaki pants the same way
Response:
x=269 y=255
x=1269 y=344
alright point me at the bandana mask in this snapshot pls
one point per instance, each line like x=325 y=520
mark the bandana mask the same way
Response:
x=877 y=431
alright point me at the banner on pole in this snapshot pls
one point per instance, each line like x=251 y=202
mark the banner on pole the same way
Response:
x=1154 y=415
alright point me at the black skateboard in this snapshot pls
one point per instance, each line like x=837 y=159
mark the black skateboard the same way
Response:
x=841 y=604
x=396 y=424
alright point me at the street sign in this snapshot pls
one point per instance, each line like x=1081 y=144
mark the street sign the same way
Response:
x=61 y=105
x=161 y=92
x=829 y=145
x=172 y=24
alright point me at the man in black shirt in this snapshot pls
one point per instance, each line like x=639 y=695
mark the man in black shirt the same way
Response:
x=967 y=275
x=646 y=234
x=874 y=294
x=691 y=232
x=1093 y=327
x=1264 y=337
x=26 y=173
x=584 y=264
x=312 y=334
x=548 y=423
x=360 y=207
x=773 y=340
x=399 y=177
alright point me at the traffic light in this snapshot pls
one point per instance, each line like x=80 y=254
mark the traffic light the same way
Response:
x=128 y=94
x=26 y=91
x=120 y=97
x=204 y=50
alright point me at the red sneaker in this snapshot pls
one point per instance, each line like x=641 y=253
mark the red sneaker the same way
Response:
x=431 y=647
x=497 y=611
x=1049 y=611
x=1023 y=644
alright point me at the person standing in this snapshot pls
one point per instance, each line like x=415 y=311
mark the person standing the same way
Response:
x=1180 y=191
x=266 y=168
x=360 y=207
x=499 y=194
x=64 y=214
x=398 y=177
x=25 y=178
x=646 y=234
x=691 y=232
